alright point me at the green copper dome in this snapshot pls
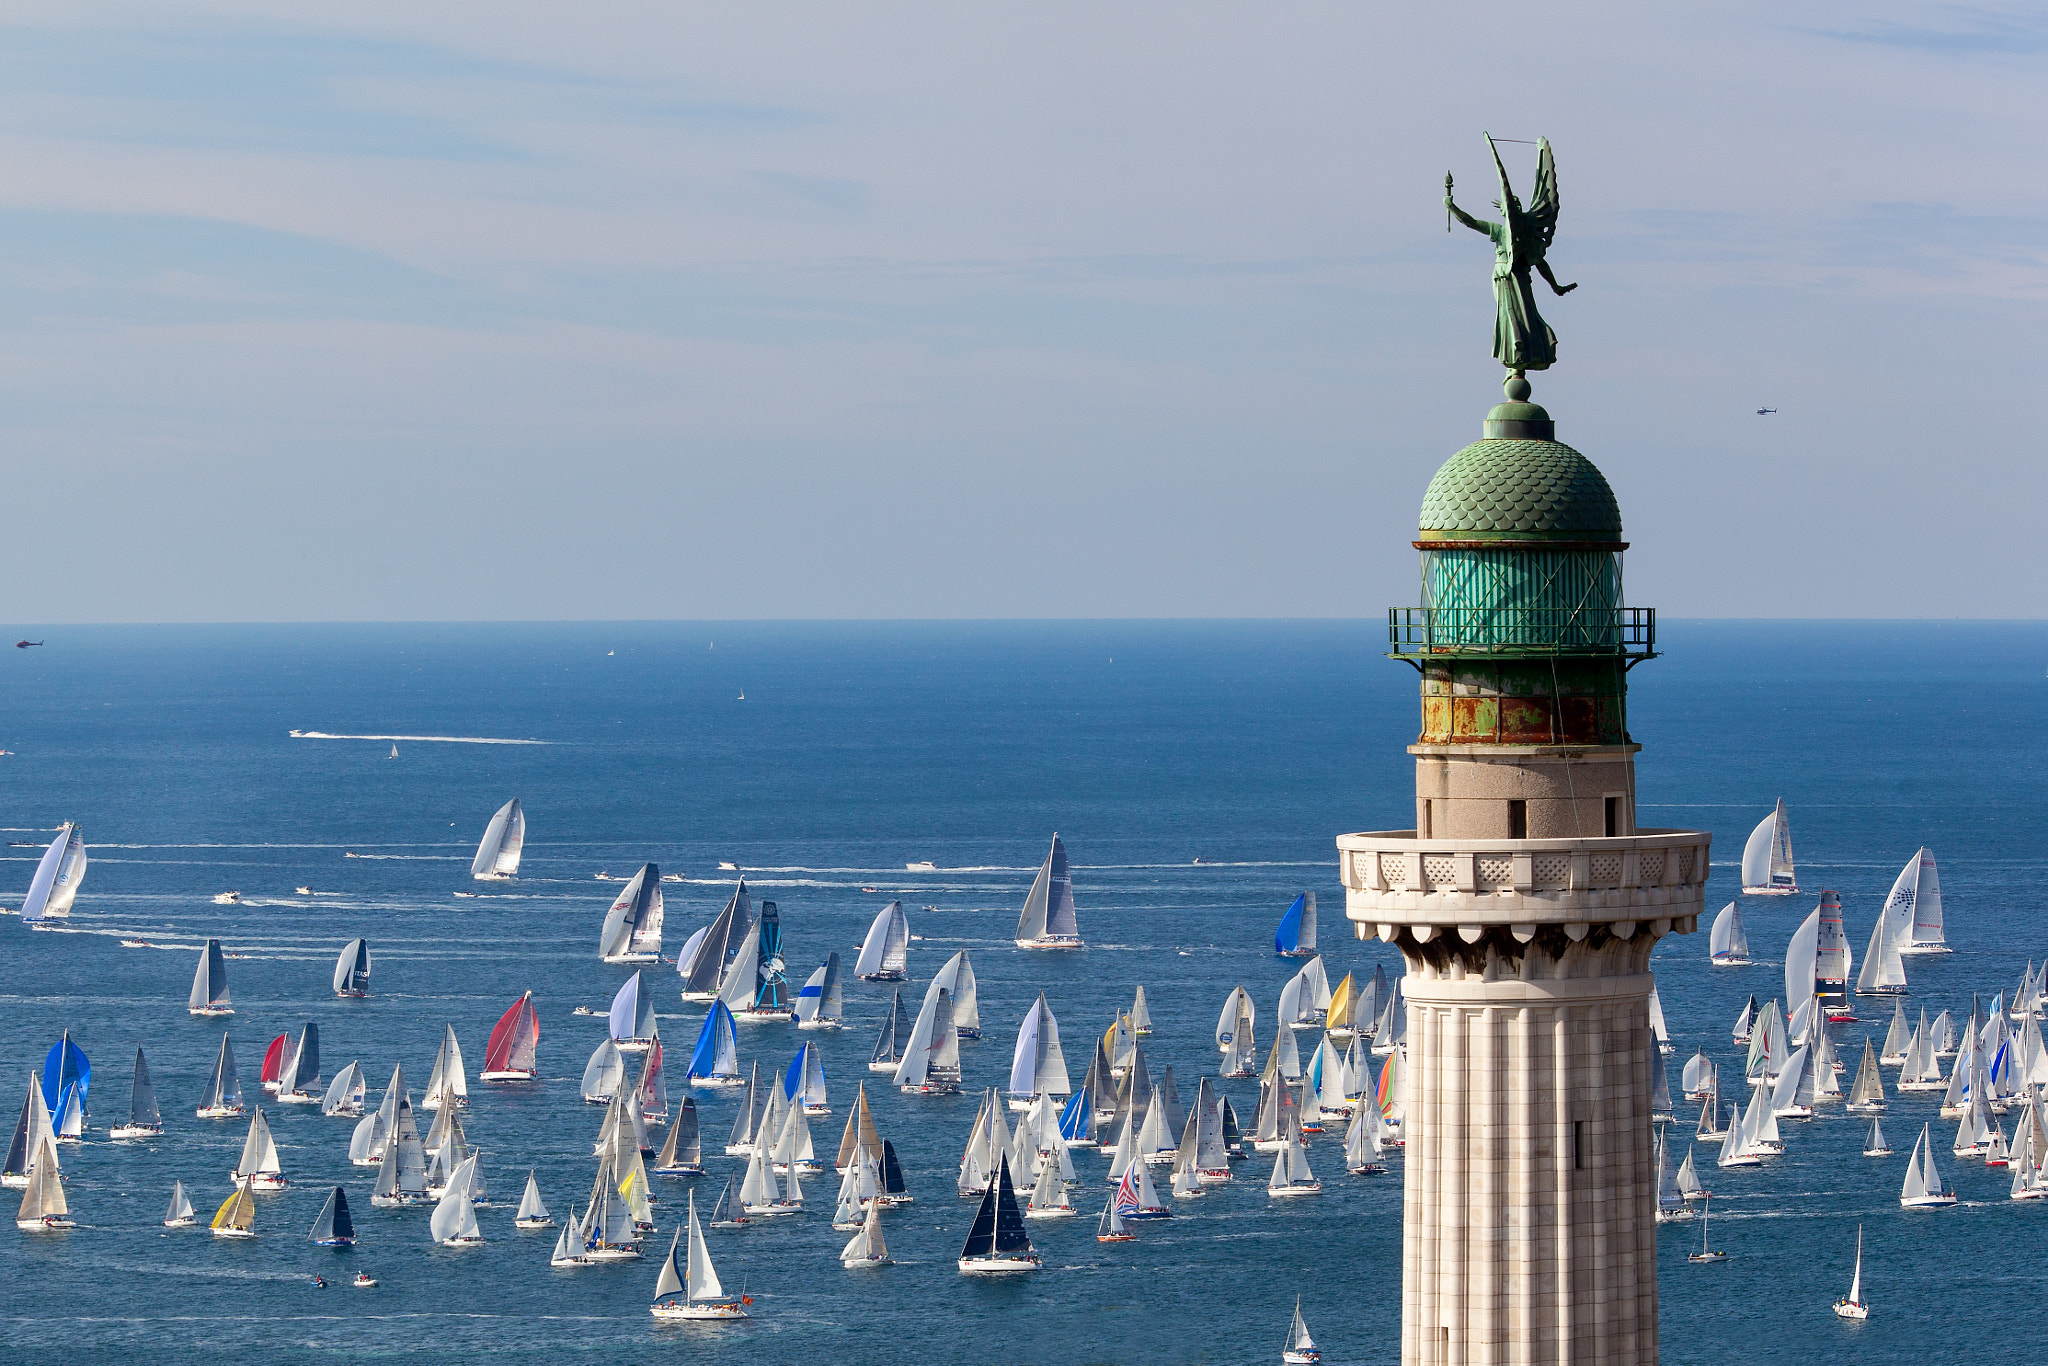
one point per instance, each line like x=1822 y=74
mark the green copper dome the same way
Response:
x=1516 y=488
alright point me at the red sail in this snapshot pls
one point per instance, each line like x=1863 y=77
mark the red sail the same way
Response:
x=514 y=1038
x=273 y=1058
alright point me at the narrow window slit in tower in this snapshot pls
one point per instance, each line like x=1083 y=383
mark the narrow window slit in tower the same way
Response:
x=1579 y=1144
x=1613 y=817
x=1518 y=820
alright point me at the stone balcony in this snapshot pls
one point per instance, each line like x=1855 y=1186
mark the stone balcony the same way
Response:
x=1654 y=878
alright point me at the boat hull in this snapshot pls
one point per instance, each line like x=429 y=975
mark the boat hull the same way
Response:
x=1707 y=1257
x=718 y=1083
x=1872 y=1108
x=700 y=997
x=998 y=1266
x=234 y=1233
x=1926 y=1201
x=1116 y=1237
x=221 y=1112
x=632 y=958
x=510 y=1076
x=400 y=1200
x=1844 y=1309
x=701 y=1312
x=678 y=1171
x=334 y=1242
x=211 y=1012
x=472 y=1241
x=815 y=1023
x=1052 y=941
x=136 y=1131
x=612 y=1254
x=262 y=1181
x=780 y=1016
x=51 y=1224
x=1877 y=1152
x=885 y=1066
x=1773 y=891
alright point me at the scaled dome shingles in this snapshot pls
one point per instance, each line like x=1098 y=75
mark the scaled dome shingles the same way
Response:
x=1520 y=485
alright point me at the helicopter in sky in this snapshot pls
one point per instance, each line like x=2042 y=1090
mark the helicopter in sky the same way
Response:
x=1761 y=411
x=24 y=644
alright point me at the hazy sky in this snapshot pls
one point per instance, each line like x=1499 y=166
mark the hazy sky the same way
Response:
x=619 y=310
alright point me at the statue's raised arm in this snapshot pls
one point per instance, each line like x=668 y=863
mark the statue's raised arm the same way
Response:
x=1522 y=341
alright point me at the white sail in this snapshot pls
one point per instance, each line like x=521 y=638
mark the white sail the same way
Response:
x=181 y=1205
x=449 y=1081
x=531 y=1206
x=497 y=856
x=700 y=1280
x=1883 y=973
x=454 y=1218
x=1727 y=944
x=605 y=1074
x=1767 y=855
x=1047 y=917
x=1799 y=963
x=885 y=952
x=957 y=979
x=1038 y=1067
x=1922 y=932
x=57 y=875
x=1236 y=1022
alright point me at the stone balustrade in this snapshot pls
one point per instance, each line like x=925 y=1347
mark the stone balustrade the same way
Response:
x=1393 y=880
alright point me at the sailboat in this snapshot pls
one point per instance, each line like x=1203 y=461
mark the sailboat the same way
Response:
x=1300 y=1349
x=997 y=1242
x=223 y=1098
x=570 y=1248
x=1049 y=1195
x=804 y=1082
x=1852 y=1306
x=145 y=1120
x=1923 y=1188
x=1921 y=1071
x=1363 y=1154
x=682 y=1152
x=298 y=1076
x=1866 y=1095
x=957 y=980
x=509 y=1052
x=1912 y=913
x=1670 y=1204
x=631 y=932
x=867 y=1248
x=448 y=1083
x=57 y=875
x=1141 y=1017
x=730 y=1211
x=497 y=856
x=885 y=952
x=210 y=983
x=334 y=1227
x=1832 y=960
x=931 y=1060
x=1305 y=1000
x=694 y=1292
x=402 y=1171
x=236 y=1217
x=1296 y=936
x=43 y=1208
x=1875 y=1144
x=1291 y=1174
x=604 y=1075
x=1047 y=920
x=819 y=1002
x=1234 y=1034
x=1706 y=1254
x=715 y=1064
x=891 y=1039
x=533 y=1211
x=1883 y=973
x=1727 y=945
x=1745 y=1023
x=454 y=1220
x=632 y=1017
x=180 y=1214
x=1767 y=857
x=1110 y=1228
x=757 y=985
x=352 y=970
x=258 y=1167
x=1038 y=1067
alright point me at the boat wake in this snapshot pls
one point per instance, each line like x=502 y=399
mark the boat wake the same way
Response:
x=418 y=739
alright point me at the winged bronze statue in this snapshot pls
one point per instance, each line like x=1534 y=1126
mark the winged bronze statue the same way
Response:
x=1522 y=341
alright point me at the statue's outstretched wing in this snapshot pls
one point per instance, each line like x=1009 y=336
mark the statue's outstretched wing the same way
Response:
x=1541 y=211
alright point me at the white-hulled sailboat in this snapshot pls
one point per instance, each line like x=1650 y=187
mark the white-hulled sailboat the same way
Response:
x=352 y=970
x=819 y=1002
x=210 y=983
x=1705 y=1254
x=631 y=1019
x=694 y=1292
x=145 y=1119
x=448 y=1083
x=1300 y=1349
x=701 y=964
x=1912 y=913
x=885 y=953
x=1923 y=1188
x=223 y=1098
x=1235 y=1030
x=236 y=1217
x=180 y=1214
x=1875 y=1144
x=43 y=1207
x=1851 y=1306
x=957 y=980
x=996 y=1241
x=931 y=1061
x=497 y=856
x=1291 y=1174
x=1866 y=1095
x=867 y=1248
x=715 y=1064
x=631 y=932
x=682 y=1152
x=1767 y=857
x=533 y=1211
x=1727 y=945
x=804 y=1083
x=454 y=1220
x=1296 y=936
x=1883 y=974
x=1038 y=1067
x=891 y=1039
x=509 y=1052
x=55 y=884
x=1047 y=920
x=731 y=1210
x=259 y=1167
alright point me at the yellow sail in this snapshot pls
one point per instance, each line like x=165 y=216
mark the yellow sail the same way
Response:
x=1109 y=1039
x=1340 y=1006
x=237 y=1211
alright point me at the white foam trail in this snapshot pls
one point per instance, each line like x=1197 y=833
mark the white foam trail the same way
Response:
x=417 y=739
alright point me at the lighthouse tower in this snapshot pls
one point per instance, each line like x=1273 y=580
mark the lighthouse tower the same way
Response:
x=1525 y=902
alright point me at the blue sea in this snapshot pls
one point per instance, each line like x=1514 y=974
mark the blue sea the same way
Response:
x=860 y=748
